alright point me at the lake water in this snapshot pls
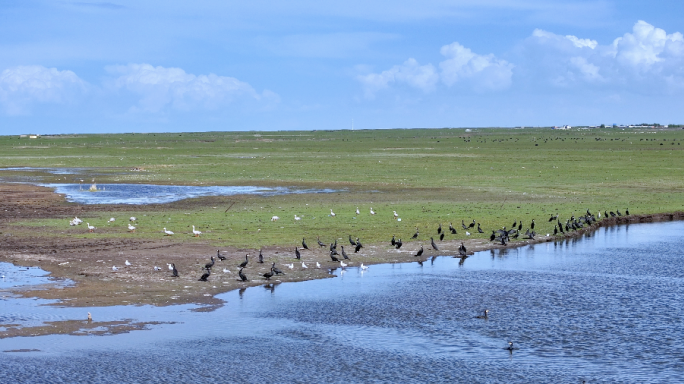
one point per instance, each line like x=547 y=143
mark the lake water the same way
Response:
x=604 y=308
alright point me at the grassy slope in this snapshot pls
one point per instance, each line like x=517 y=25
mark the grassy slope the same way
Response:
x=430 y=176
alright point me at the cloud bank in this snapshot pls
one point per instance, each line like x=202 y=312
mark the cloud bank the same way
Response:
x=23 y=86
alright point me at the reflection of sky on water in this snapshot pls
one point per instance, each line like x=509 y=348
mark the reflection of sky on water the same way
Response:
x=139 y=194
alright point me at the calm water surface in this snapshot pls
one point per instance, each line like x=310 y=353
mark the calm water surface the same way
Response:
x=606 y=308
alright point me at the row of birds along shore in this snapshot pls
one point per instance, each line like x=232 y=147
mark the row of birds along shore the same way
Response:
x=340 y=258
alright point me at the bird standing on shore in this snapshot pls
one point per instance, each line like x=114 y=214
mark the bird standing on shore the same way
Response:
x=209 y=265
x=304 y=244
x=174 y=270
x=320 y=243
x=244 y=263
x=167 y=232
x=433 y=244
x=205 y=275
x=344 y=254
x=261 y=257
x=398 y=244
x=420 y=252
x=298 y=255
x=195 y=232
x=242 y=275
x=218 y=254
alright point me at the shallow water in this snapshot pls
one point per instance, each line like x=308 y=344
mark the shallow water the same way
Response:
x=139 y=194
x=603 y=308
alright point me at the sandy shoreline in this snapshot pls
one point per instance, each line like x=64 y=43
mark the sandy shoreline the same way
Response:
x=88 y=262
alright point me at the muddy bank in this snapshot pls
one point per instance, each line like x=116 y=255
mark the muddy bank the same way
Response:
x=89 y=262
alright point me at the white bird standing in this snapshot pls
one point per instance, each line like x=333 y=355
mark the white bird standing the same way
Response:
x=167 y=232
x=297 y=218
x=332 y=213
x=130 y=228
x=157 y=268
x=128 y=263
x=226 y=270
x=304 y=266
x=132 y=218
x=318 y=265
x=291 y=265
x=357 y=211
x=111 y=219
x=196 y=232
x=363 y=267
x=170 y=266
x=114 y=268
x=372 y=211
x=90 y=227
x=77 y=221
x=467 y=233
x=395 y=215
x=343 y=264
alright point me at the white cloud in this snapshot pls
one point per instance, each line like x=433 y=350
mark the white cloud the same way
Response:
x=22 y=86
x=423 y=77
x=648 y=45
x=481 y=72
x=488 y=72
x=646 y=59
x=160 y=87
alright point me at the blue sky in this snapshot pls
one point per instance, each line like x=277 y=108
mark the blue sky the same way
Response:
x=166 y=66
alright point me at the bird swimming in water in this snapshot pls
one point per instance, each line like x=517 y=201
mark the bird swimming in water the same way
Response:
x=485 y=316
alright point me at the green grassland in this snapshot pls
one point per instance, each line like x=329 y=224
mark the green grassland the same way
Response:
x=429 y=176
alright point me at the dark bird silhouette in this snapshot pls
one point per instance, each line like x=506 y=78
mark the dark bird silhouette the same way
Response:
x=358 y=247
x=441 y=237
x=298 y=255
x=333 y=251
x=515 y=224
x=398 y=244
x=209 y=265
x=415 y=235
x=627 y=211
x=320 y=244
x=242 y=275
x=510 y=347
x=261 y=257
x=472 y=225
x=420 y=252
x=175 y=271
x=462 y=250
x=351 y=241
x=492 y=237
x=268 y=274
x=333 y=258
x=532 y=225
x=218 y=254
x=552 y=218
x=304 y=244
x=344 y=254
x=433 y=244
x=560 y=228
x=520 y=226
x=479 y=229
x=612 y=214
x=439 y=229
x=420 y=262
x=463 y=225
x=205 y=275
x=393 y=242
x=276 y=270
x=618 y=212
x=555 y=230
x=244 y=263
x=485 y=316
x=452 y=229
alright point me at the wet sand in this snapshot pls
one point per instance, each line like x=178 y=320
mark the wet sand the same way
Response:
x=88 y=262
